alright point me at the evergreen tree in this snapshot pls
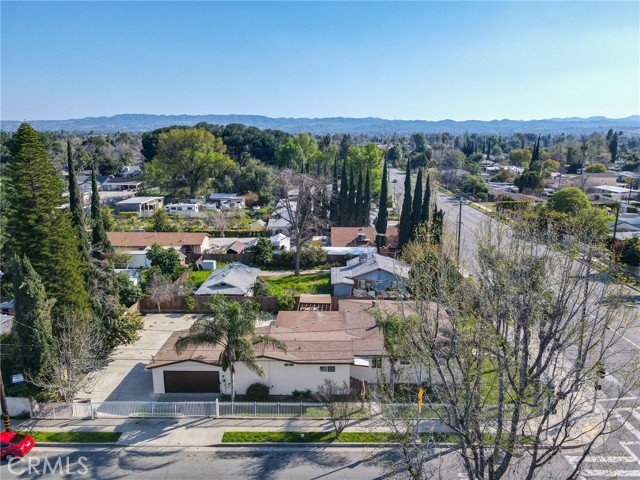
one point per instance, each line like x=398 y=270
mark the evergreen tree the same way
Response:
x=424 y=217
x=343 y=207
x=38 y=226
x=359 y=207
x=383 y=213
x=75 y=205
x=100 y=243
x=437 y=224
x=345 y=143
x=351 y=201
x=536 y=164
x=404 y=229
x=366 y=201
x=416 y=209
x=335 y=204
x=32 y=324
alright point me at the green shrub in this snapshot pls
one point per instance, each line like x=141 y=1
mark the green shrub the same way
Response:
x=302 y=394
x=257 y=392
x=189 y=303
x=285 y=302
x=632 y=209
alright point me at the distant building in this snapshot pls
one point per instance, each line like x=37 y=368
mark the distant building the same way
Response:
x=184 y=210
x=131 y=171
x=187 y=242
x=361 y=237
x=144 y=206
x=121 y=184
x=227 y=201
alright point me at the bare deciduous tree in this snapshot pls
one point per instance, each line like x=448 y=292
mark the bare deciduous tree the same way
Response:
x=76 y=348
x=339 y=402
x=514 y=358
x=218 y=220
x=160 y=289
x=304 y=211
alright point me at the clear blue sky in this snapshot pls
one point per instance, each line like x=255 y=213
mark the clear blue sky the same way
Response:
x=432 y=60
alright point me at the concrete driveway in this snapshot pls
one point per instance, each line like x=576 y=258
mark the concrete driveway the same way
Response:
x=124 y=377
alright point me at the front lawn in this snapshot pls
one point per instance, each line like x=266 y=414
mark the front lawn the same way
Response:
x=305 y=283
x=75 y=437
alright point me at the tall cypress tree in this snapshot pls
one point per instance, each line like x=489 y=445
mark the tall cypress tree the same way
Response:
x=436 y=224
x=424 y=217
x=536 y=165
x=343 y=208
x=33 y=319
x=75 y=205
x=404 y=229
x=351 y=201
x=416 y=209
x=366 y=201
x=335 y=211
x=37 y=226
x=359 y=207
x=99 y=241
x=383 y=213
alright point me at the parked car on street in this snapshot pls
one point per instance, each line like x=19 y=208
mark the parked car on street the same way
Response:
x=13 y=445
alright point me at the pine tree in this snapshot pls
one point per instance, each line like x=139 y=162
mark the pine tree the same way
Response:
x=426 y=202
x=383 y=213
x=38 y=226
x=366 y=201
x=351 y=201
x=404 y=229
x=32 y=324
x=335 y=211
x=343 y=204
x=75 y=205
x=359 y=207
x=416 y=209
x=100 y=244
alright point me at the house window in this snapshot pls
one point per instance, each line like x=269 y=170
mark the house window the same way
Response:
x=376 y=362
x=327 y=368
x=288 y=364
x=362 y=284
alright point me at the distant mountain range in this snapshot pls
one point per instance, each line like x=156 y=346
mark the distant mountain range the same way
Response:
x=143 y=122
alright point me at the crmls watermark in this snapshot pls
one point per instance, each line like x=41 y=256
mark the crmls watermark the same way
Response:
x=33 y=465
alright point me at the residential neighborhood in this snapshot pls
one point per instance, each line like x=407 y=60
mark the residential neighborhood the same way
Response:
x=320 y=240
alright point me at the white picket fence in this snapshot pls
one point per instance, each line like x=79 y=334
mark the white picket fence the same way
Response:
x=89 y=410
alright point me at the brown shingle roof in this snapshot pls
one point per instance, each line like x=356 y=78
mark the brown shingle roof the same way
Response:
x=146 y=239
x=310 y=336
x=348 y=237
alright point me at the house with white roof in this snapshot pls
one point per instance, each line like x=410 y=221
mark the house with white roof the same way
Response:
x=234 y=279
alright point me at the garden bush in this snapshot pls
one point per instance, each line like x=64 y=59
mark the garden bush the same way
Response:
x=257 y=392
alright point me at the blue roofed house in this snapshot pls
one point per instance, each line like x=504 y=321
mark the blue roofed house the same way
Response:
x=369 y=272
x=234 y=279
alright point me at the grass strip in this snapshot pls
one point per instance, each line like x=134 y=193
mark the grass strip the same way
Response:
x=75 y=437
x=328 y=437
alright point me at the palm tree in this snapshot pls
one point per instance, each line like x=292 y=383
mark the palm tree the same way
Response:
x=231 y=325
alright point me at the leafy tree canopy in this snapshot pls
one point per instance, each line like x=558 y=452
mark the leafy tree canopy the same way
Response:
x=568 y=200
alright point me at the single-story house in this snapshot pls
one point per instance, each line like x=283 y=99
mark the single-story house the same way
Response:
x=224 y=244
x=279 y=221
x=614 y=192
x=120 y=184
x=589 y=181
x=374 y=272
x=362 y=237
x=234 y=279
x=137 y=259
x=183 y=210
x=144 y=206
x=227 y=201
x=344 y=345
x=187 y=242
x=280 y=241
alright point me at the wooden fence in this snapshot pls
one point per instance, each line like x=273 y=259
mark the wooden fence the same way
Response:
x=183 y=278
x=177 y=303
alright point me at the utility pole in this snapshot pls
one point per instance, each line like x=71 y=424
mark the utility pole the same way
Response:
x=459 y=230
x=5 y=410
